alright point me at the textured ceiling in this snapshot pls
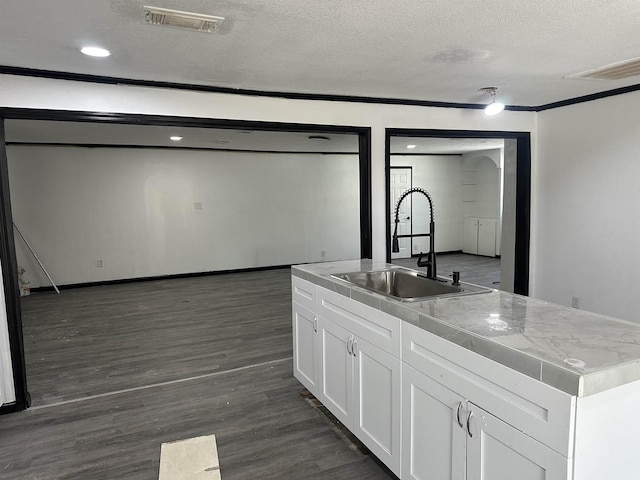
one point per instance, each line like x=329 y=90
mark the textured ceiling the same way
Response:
x=438 y=50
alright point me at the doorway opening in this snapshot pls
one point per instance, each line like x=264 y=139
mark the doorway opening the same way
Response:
x=480 y=185
x=308 y=142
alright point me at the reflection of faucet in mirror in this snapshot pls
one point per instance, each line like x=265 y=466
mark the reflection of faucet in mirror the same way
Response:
x=430 y=262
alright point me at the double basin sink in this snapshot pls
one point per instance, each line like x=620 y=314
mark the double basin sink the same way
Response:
x=408 y=285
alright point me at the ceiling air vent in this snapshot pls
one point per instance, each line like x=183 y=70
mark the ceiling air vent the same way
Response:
x=615 y=71
x=174 y=18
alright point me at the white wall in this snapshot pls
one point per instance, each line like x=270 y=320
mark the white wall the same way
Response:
x=134 y=210
x=41 y=93
x=440 y=176
x=29 y=92
x=586 y=194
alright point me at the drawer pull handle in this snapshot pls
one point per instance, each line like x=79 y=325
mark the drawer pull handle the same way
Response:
x=458 y=415
x=354 y=347
x=469 y=424
x=349 y=343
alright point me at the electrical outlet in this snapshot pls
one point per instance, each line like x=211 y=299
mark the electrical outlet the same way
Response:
x=415 y=248
x=197 y=206
x=323 y=253
x=99 y=264
x=575 y=302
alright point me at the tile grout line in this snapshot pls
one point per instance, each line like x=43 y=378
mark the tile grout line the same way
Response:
x=161 y=384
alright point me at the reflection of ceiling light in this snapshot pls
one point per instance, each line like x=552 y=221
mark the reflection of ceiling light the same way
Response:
x=494 y=107
x=95 y=51
x=412 y=146
x=176 y=138
x=319 y=137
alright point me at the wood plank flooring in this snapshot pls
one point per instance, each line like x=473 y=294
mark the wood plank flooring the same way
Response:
x=94 y=340
x=115 y=371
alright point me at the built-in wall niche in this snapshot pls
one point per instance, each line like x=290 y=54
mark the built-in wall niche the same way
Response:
x=475 y=183
x=481 y=202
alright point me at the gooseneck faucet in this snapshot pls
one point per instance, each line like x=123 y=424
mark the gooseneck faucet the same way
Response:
x=430 y=262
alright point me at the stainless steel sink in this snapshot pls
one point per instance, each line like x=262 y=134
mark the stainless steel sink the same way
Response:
x=408 y=285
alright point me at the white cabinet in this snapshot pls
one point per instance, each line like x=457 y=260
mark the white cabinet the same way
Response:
x=460 y=421
x=479 y=236
x=306 y=355
x=360 y=383
x=498 y=451
x=433 y=442
x=446 y=437
x=336 y=366
x=306 y=359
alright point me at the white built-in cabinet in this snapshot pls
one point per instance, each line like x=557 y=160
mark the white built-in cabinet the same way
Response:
x=479 y=236
x=433 y=410
x=354 y=370
x=427 y=408
x=306 y=358
x=447 y=437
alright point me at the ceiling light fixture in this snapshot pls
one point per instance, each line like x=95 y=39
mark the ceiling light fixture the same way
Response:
x=411 y=146
x=175 y=138
x=95 y=51
x=494 y=107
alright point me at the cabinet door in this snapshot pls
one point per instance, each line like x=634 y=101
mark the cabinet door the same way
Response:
x=336 y=371
x=376 y=420
x=433 y=437
x=498 y=451
x=306 y=358
x=470 y=236
x=487 y=237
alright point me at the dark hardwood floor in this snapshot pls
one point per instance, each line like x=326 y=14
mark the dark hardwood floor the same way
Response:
x=114 y=371
x=89 y=341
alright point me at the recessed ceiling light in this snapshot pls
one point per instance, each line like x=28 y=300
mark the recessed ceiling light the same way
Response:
x=412 y=146
x=176 y=138
x=95 y=51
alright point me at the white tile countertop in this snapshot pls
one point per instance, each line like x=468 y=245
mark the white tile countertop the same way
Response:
x=578 y=352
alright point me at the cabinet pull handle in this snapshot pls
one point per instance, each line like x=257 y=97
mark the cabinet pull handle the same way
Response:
x=469 y=424
x=354 y=347
x=458 y=415
x=349 y=343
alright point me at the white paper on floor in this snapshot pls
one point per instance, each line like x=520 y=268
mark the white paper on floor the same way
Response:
x=190 y=459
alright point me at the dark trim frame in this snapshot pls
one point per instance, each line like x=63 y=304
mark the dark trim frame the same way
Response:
x=7 y=247
x=164 y=147
x=523 y=190
x=11 y=289
x=123 y=281
x=81 y=77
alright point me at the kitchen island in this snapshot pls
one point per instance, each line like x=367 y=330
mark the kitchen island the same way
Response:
x=488 y=386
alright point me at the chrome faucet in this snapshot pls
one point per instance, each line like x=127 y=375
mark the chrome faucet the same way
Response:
x=430 y=261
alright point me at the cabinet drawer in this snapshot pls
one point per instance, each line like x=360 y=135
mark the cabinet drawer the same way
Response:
x=374 y=326
x=537 y=409
x=303 y=292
